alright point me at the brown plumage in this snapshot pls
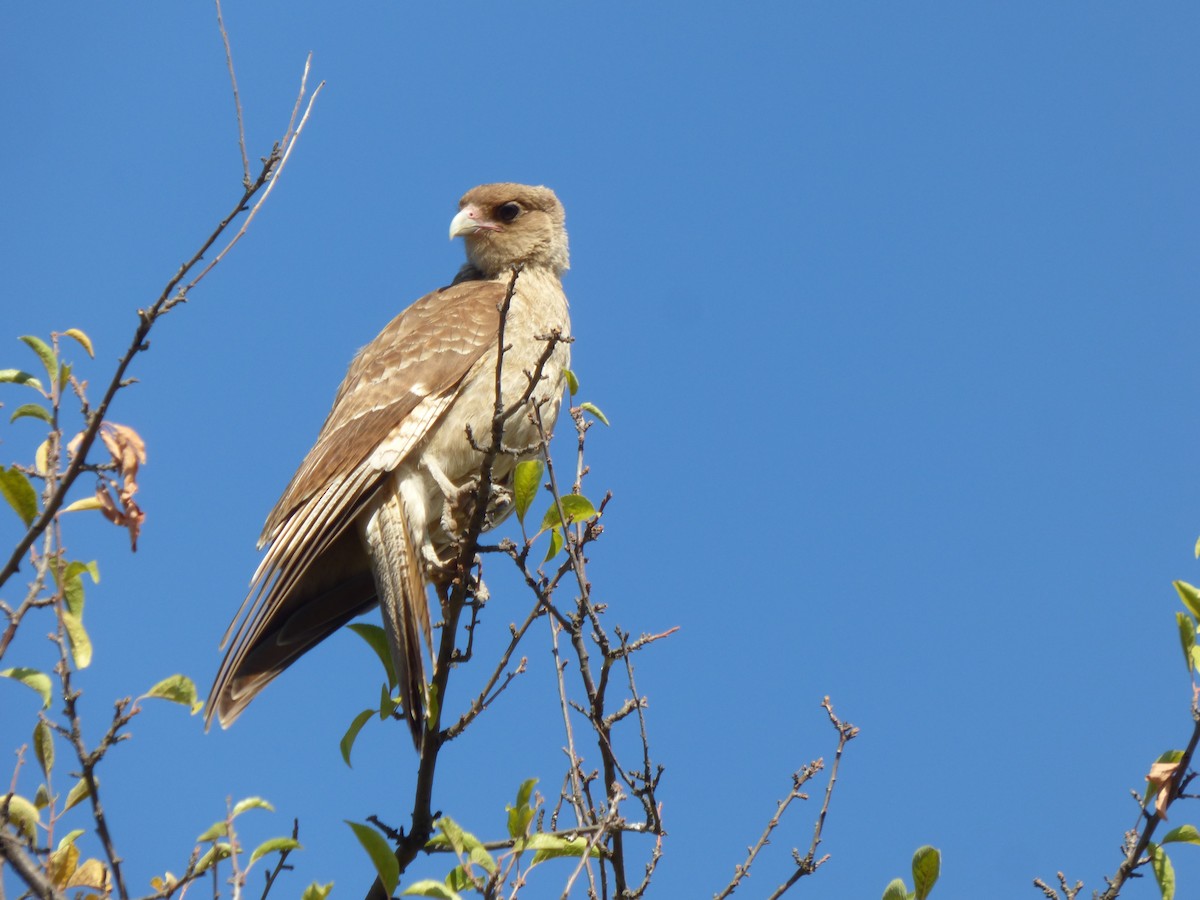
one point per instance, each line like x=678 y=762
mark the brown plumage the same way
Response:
x=369 y=516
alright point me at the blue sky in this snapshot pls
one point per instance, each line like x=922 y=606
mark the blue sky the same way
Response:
x=891 y=306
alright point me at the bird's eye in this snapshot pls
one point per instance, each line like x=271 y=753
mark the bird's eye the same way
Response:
x=508 y=212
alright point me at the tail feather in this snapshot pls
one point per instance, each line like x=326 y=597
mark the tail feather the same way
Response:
x=395 y=560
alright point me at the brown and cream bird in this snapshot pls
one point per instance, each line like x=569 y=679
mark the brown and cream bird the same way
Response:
x=369 y=517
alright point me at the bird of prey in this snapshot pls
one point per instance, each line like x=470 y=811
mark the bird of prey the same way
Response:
x=370 y=516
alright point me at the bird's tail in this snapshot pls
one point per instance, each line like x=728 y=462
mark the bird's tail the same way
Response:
x=395 y=560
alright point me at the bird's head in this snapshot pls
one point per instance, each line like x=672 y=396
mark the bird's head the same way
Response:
x=505 y=224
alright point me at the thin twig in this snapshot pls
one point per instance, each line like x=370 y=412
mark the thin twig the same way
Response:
x=237 y=102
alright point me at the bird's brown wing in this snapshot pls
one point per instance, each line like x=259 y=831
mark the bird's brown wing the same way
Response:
x=315 y=576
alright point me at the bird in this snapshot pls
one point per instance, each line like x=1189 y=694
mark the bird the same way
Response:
x=373 y=514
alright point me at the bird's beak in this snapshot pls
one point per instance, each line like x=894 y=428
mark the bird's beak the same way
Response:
x=470 y=219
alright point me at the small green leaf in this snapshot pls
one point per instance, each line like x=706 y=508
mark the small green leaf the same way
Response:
x=549 y=846
x=81 y=644
x=72 y=584
x=1190 y=597
x=430 y=888
x=83 y=340
x=279 y=844
x=215 y=854
x=83 y=504
x=19 y=493
x=250 y=803
x=595 y=411
x=77 y=794
x=1185 y=834
x=24 y=815
x=896 y=890
x=64 y=376
x=1164 y=872
x=452 y=836
x=575 y=507
x=572 y=382
x=32 y=411
x=317 y=891
x=43 y=747
x=45 y=354
x=41 y=797
x=1187 y=636
x=926 y=866
x=525 y=791
x=457 y=879
x=16 y=376
x=381 y=855
x=526 y=480
x=556 y=542
x=31 y=678
x=376 y=639
x=178 y=689
x=453 y=833
x=520 y=814
x=351 y=735
x=215 y=830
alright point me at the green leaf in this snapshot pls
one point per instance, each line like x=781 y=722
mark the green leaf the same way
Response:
x=520 y=814
x=16 y=376
x=1184 y=834
x=24 y=815
x=1187 y=636
x=896 y=890
x=572 y=382
x=31 y=678
x=351 y=735
x=215 y=830
x=41 y=797
x=575 y=507
x=453 y=833
x=43 y=747
x=381 y=854
x=430 y=888
x=32 y=411
x=72 y=584
x=19 y=493
x=250 y=803
x=452 y=836
x=595 y=411
x=525 y=791
x=77 y=794
x=1190 y=597
x=215 y=854
x=279 y=844
x=83 y=339
x=45 y=354
x=550 y=846
x=526 y=480
x=1164 y=872
x=458 y=879
x=64 y=376
x=317 y=891
x=178 y=689
x=556 y=542
x=376 y=639
x=81 y=644
x=926 y=866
